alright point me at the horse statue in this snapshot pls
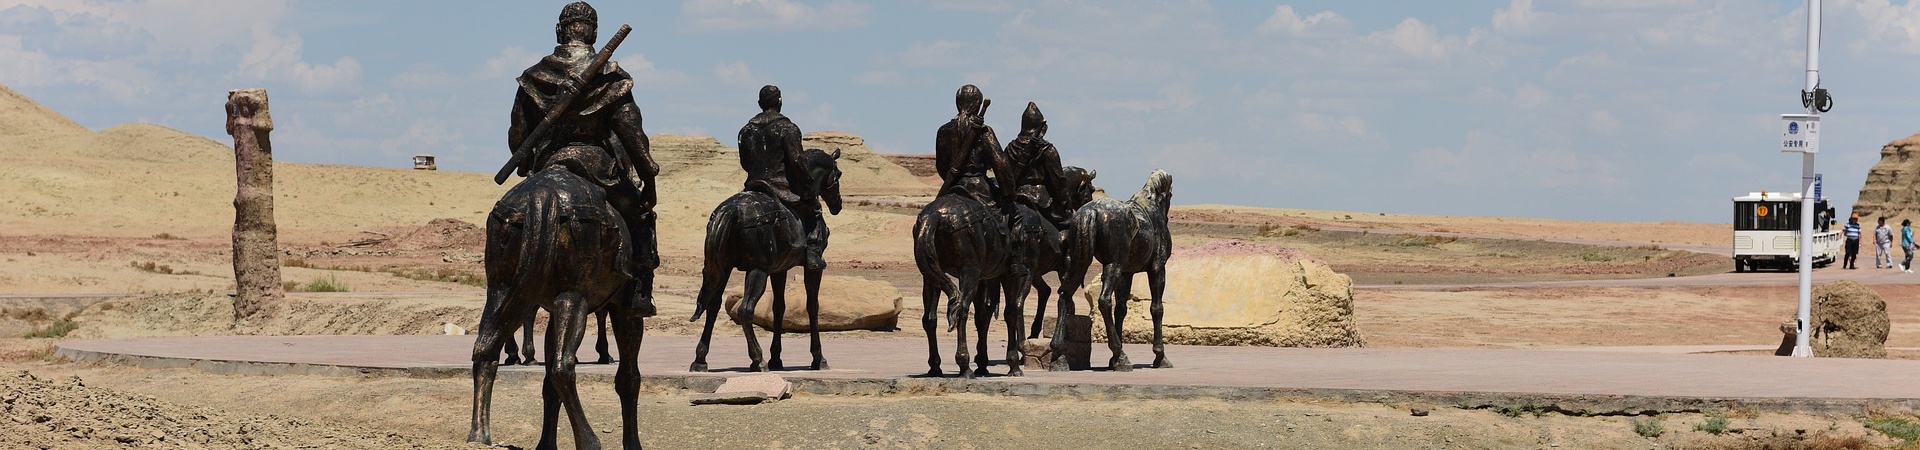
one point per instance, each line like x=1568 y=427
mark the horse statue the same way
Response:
x=1127 y=238
x=957 y=235
x=554 y=242
x=754 y=233
x=1046 y=247
x=521 y=353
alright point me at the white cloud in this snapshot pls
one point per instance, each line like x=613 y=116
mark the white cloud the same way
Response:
x=735 y=74
x=1603 y=121
x=510 y=62
x=1285 y=21
x=1890 y=25
x=1517 y=16
x=1173 y=97
x=757 y=15
x=1317 y=122
x=276 y=57
x=1417 y=39
x=1531 y=96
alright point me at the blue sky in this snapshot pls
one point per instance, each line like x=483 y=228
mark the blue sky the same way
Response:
x=1641 y=110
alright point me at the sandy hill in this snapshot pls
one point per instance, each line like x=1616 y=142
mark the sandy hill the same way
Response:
x=143 y=179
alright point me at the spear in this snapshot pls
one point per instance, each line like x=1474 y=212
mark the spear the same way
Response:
x=525 y=150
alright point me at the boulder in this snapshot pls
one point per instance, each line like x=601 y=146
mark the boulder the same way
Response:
x=1848 y=321
x=1238 y=293
x=846 y=303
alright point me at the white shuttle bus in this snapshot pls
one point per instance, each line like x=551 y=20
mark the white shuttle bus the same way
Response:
x=1766 y=233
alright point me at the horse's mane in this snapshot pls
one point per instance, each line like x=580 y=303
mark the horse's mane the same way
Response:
x=1154 y=194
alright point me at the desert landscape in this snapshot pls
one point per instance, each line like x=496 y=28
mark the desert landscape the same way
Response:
x=124 y=232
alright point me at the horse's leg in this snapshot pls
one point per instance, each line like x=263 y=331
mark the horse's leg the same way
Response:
x=491 y=336
x=1157 y=284
x=981 y=323
x=812 y=279
x=600 y=345
x=712 y=286
x=549 y=393
x=628 y=331
x=526 y=339
x=1064 y=310
x=568 y=325
x=1118 y=290
x=779 y=280
x=957 y=319
x=1039 y=286
x=743 y=315
x=930 y=319
x=1016 y=288
x=512 y=349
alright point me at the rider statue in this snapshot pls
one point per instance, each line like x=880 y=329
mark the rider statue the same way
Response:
x=603 y=124
x=965 y=150
x=1036 y=169
x=770 y=152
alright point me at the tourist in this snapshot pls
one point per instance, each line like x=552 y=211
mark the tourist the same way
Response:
x=1883 y=245
x=1853 y=241
x=1906 y=244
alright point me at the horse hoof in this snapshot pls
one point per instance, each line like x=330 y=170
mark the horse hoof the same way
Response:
x=935 y=372
x=1162 y=363
x=603 y=361
x=757 y=368
x=1015 y=372
x=512 y=361
x=529 y=362
x=820 y=364
x=697 y=367
x=1120 y=364
x=966 y=374
x=981 y=372
x=1059 y=365
x=776 y=365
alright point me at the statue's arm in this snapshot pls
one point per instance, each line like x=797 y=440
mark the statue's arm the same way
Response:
x=1051 y=171
x=521 y=123
x=797 y=173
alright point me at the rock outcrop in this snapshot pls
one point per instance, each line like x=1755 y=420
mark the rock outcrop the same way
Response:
x=845 y=304
x=1893 y=184
x=865 y=173
x=1237 y=293
x=1849 y=321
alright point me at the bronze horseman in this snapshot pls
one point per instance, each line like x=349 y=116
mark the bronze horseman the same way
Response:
x=577 y=235
x=771 y=226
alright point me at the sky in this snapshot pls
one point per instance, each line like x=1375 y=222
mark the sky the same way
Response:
x=1619 y=110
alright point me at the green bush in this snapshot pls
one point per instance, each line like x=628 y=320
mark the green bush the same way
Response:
x=1896 y=427
x=327 y=284
x=1651 y=427
x=58 y=329
x=1716 y=423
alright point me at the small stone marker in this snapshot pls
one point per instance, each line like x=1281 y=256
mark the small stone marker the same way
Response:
x=746 y=390
x=1036 y=353
x=1419 y=411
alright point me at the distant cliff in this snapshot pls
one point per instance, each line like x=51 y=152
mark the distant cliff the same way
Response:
x=1893 y=185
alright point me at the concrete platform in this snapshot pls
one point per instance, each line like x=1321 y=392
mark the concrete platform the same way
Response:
x=1611 y=381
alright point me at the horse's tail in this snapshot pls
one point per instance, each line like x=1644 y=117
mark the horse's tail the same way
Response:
x=527 y=215
x=721 y=226
x=925 y=256
x=1080 y=240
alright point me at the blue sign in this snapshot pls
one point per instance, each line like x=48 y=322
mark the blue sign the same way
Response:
x=1816 y=188
x=1793 y=128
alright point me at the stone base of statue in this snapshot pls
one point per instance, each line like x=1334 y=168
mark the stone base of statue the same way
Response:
x=1079 y=348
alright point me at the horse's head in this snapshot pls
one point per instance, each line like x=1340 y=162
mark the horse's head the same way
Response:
x=1078 y=187
x=1157 y=194
x=824 y=169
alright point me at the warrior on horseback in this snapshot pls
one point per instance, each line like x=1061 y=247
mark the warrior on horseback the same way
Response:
x=597 y=136
x=770 y=153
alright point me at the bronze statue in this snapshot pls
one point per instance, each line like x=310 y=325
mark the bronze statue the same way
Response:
x=770 y=226
x=562 y=239
x=1038 y=179
x=1127 y=238
x=586 y=101
x=958 y=235
x=965 y=233
x=1046 y=249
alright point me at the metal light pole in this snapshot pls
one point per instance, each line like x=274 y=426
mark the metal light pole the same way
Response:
x=1807 y=200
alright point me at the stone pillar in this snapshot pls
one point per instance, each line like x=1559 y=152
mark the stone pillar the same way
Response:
x=256 y=247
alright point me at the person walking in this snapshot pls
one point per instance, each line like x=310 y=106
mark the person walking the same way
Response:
x=1883 y=245
x=1853 y=242
x=1906 y=244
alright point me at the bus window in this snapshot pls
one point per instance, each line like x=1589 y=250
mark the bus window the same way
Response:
x=1766 y=216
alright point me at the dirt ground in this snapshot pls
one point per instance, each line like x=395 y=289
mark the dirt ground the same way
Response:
x=141 y=209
